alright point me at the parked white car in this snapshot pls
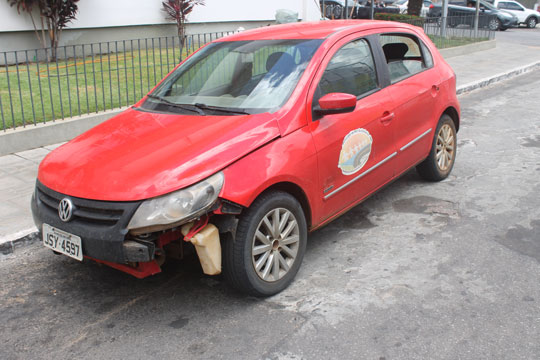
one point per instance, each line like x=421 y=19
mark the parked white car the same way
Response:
x=404 y=4
x=525 y=16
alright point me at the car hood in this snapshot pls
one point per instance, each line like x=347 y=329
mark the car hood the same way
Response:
x=138 y=155
x=507 y=14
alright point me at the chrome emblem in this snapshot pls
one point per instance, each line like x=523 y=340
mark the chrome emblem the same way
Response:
x=65 y=210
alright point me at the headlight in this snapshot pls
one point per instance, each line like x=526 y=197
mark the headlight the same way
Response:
x=177 y=206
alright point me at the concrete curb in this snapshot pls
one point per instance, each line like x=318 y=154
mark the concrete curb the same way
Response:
x=467 y=49
x=18 y=241
x=32 y=137
x=12 y=242
x=496 y=78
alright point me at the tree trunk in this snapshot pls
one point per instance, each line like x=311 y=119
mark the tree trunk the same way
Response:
x=415 y=6
x=181 y=33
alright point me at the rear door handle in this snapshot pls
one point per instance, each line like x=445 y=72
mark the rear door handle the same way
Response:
x=387 y=118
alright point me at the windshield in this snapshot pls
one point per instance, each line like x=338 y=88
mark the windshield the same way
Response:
x=483 y=4
x=235 y=77
x=487 y=5
x=401 y=2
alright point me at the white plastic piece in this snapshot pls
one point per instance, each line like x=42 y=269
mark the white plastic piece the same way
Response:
x=285 y=16
x=208 y=247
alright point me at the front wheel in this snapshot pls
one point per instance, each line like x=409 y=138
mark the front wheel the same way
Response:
x=494 y=24
x=440 y=161
x=269 y=245
x=531 y=22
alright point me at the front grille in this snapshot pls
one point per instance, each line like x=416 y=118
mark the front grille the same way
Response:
x=103 y=213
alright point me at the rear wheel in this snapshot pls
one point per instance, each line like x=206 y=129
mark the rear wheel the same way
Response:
x=438 y=165
x=531 y=22
x=269 y=245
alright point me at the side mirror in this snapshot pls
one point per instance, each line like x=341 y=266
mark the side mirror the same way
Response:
x=336 y=103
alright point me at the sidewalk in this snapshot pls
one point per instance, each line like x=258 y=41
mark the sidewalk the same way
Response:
x=18 y=171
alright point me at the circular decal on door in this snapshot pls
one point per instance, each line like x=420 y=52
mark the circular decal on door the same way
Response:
x=355 y=151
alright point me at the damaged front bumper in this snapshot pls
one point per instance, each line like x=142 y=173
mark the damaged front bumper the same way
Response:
x=102 y=226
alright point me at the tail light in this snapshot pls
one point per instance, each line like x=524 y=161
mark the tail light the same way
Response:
x=431 y=6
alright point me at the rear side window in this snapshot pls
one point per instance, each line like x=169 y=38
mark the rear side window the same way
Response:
x=511 y=6
x=403 y=56
x=351 y=70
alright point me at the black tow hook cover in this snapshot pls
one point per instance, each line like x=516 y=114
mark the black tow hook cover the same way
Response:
x=137 y=252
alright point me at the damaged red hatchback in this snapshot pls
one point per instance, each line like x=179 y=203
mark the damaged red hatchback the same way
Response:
x=249 y=144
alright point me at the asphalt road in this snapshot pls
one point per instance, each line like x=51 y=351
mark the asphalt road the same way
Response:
x=419 y=271
x=521 y=35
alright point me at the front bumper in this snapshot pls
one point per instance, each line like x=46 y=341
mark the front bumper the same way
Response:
x=508 y=22
x=102 y=225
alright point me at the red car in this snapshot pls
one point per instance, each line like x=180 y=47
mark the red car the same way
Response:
x=249 y=144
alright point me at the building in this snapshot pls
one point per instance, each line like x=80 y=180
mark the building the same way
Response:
x=106 y=20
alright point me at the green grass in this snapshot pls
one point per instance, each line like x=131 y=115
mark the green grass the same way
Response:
x=443 y=43
x=69 y=88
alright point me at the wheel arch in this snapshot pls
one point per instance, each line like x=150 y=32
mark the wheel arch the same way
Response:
x=531 y=16
x=453 y=113
x=297 y=192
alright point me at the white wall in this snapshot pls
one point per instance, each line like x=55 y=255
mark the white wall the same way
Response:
x=112 y=13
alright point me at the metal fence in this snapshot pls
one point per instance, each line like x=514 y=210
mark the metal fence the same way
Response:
x=88 y=78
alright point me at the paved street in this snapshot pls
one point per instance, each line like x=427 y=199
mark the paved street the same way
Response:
x=522 y=36
x=419 y=271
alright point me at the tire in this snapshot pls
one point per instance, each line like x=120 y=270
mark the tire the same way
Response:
x=337 y=11
x=531 y=22
x=260 y=261
x=494 y=24
x=440 y=161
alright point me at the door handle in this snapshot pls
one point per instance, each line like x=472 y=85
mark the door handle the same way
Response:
x=387 y=118
x=434 y=90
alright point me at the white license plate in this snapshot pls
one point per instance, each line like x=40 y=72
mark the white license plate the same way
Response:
x=63 y=242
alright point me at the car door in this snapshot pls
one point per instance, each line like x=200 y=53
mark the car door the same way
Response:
x=414 y=90
x=513 y=8
x=355 y=149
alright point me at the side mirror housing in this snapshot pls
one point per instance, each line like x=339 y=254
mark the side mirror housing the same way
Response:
x=336 y=103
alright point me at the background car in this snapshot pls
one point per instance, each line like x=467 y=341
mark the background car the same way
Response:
x=461 y=14
x=335 y=9
x=525 y=16
x=403 y=6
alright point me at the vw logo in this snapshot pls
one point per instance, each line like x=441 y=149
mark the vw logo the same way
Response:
x=65 y=209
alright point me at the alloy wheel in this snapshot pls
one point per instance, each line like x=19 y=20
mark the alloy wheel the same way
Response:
x=494 y=24
x=275 y=244
x=445 y=147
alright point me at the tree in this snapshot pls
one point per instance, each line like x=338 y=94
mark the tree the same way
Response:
x=178 y=11
x=414 y=7
x=54 y=16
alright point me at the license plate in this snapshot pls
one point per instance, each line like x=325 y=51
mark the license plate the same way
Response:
x=63 y=242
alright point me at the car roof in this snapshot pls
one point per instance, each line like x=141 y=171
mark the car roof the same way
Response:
x=312 y=30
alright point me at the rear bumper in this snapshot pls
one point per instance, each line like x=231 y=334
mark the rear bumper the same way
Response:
x=102 y=225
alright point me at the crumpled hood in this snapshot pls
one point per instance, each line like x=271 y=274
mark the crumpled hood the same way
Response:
x=138 y=155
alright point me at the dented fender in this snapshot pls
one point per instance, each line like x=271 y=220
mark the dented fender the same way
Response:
x=288 y=160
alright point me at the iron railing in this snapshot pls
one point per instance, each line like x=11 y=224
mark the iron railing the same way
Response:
x=88 y=78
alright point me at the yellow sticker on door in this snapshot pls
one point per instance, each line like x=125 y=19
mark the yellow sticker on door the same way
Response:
x=355 y=151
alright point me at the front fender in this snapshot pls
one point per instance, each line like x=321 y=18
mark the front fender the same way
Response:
x=290 y=159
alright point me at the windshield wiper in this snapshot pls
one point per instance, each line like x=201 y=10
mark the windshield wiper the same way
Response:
x=180 y=106
x=219 y=108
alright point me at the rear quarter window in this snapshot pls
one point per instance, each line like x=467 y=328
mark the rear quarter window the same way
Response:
x=405 y=55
